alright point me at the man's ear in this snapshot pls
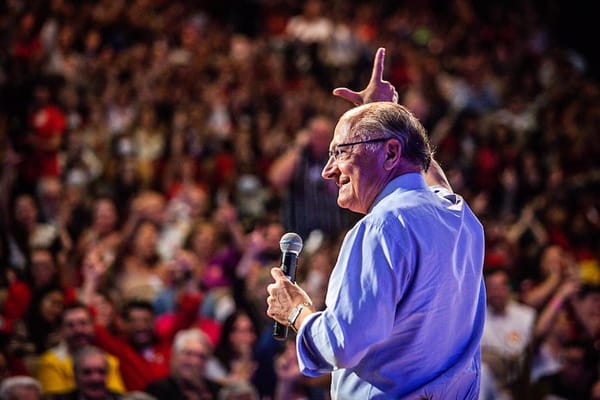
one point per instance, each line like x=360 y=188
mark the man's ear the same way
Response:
x=393 y=153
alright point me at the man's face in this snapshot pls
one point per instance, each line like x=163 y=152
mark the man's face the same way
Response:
x=498 y=291
x=42 y=267
x=24 y=393
x=358 y=173
x=78 y=329
x=140 y=327
x=189 y=362
x=91 y=376
x=320 y=136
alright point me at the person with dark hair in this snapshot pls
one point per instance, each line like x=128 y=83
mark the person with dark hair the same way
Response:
x=405 y=304
x=142 y=356
x=309 y=203
x=234 y=360
x=55 y=368
x=577 y=374
x=39 y=329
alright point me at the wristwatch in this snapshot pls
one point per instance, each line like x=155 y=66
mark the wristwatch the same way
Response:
x=295 y=314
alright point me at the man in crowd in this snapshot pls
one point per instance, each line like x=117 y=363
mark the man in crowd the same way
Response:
x=142 y=356
x=20 y=387
x=91 y=370
x=191 y=350
x=55 y=369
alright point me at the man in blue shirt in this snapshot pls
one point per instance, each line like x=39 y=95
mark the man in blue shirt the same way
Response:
x=405 y=305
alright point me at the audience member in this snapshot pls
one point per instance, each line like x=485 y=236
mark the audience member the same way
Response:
x=507 y=335
x=310 y=202
x=55 y=367
x=191 y=350
x=142 y=357
x=20 y=387
x=234 y=360
x=91 y=370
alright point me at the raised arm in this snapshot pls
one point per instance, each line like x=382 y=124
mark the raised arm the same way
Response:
x=380 y=90
x=435 y=176
x=376 y=90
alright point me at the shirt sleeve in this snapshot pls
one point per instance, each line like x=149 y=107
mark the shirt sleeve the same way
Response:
x=368 y=280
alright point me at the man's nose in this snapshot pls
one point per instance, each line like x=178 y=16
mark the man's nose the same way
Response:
x=330 y=169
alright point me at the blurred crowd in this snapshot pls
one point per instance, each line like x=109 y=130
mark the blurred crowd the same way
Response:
x=154 y=152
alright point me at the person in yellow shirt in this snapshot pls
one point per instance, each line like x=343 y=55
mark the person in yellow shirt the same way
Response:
x=55 y=368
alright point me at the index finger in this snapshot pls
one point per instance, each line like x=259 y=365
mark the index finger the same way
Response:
x=377 y=73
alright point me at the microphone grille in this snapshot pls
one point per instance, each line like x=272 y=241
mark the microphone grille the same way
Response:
x=291 y=242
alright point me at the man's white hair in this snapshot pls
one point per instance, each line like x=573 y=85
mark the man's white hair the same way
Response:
x=190 y=334
x=13 y=382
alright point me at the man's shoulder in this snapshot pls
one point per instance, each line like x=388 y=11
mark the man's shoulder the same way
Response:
x=56 y=354
x=521 y=311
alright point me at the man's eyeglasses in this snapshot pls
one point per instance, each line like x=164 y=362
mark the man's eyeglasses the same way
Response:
x=338 y=153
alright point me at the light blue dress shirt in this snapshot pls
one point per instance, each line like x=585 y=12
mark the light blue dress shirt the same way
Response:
x=405 y=305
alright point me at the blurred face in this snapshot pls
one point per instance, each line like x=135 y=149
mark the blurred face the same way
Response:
x=589 y=307
x=91 y=376
x=140 y=327
x=204 y=240
x=320 y=135
x=573 y=368
x=42 y=267
x=25 y=211
x=52 y=305
x=105 y=216
x=146 y=240
x=24 y=393
x=552 y=259
x=189 y=362
x=357 y=172
x=105 y=310
x=50 y=196
x=273 y=234
x=498 y=291
x=243 y=335
x=563 y=327
x=78 y=329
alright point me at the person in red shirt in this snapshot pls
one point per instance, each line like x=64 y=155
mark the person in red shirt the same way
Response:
x=48 y=124
x=143 y=357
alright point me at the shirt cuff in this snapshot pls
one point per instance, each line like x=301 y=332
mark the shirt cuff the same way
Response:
x=311 y=363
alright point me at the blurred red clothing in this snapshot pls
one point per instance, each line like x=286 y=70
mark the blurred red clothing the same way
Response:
x=138 y=369
x=48 y=124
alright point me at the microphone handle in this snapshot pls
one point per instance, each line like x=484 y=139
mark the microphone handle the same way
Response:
x=288 y=266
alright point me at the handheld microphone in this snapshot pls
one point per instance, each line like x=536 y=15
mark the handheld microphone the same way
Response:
x=290 y=245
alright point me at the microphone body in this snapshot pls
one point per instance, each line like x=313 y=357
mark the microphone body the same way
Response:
x=290 y=245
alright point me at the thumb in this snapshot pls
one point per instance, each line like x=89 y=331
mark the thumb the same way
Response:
x=277 y=273
x=350 y=95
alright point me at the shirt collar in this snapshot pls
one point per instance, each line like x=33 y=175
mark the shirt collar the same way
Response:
x=402 y=183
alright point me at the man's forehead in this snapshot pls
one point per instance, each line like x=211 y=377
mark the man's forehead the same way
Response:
x=342 y=131
x=76 y=313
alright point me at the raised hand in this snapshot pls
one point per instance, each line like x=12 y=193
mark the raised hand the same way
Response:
x=376 y=90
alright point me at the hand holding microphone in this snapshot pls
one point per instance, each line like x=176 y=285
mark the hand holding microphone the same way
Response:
x=284 y=295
